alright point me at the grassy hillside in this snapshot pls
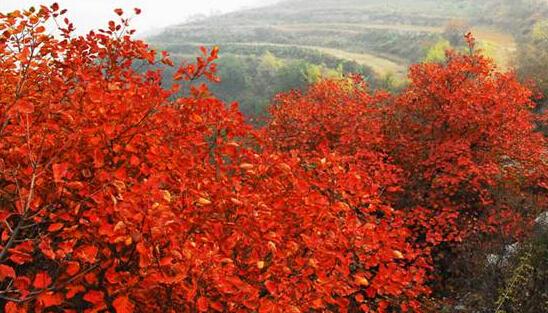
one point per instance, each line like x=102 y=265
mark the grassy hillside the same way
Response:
x=381 y=38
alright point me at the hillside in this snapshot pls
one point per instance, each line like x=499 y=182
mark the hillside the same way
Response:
x=126 y=189
x=380 y=38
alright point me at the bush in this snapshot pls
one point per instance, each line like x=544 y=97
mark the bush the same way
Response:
x=119 y=195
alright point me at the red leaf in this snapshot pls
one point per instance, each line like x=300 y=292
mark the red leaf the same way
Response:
x=42 y=280
x=137 y=11
x=48 y=299
x=122 y=304
x=271 y=287
x=112 y=276
x=74 y=290
x=11 y=307
x=87 y=254
x=134 y=160
x=266 y=306
x=21 y=283
x=45 y=247
x=6 y=271
x=73 y=268
x=23 y=106
x=94 y=296
x=202 y=304
x=119 y=11
x=59 y=171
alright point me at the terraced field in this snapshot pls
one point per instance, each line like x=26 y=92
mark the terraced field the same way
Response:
x=379 y=64
x=501 y=46
x=373 y=33
x=376 y=38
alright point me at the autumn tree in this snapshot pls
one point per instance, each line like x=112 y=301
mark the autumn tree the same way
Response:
x=334 y=129
x=117 y=198
x=464 y=135
x=455 y=154
x=118 y=195
x=82 y=175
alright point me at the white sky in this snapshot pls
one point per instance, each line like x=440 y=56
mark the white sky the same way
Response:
x=93 y=14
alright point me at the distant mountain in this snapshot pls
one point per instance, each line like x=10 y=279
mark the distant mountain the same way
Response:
x=384 y=36
x=396 y=30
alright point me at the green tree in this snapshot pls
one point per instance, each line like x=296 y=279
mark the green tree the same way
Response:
x=436 y=53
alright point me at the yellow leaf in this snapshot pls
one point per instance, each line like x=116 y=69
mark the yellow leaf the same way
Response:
x=260 y=265
x=204 y=201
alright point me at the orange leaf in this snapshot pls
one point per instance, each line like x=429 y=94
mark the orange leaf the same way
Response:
x=246 y=166
x=55 y=227
x=122 y=304
x=196 y=118
x=87 y=254
x=236 y=201
x=11 y=307
x=317 y=303
x=361 y=281
x=204 y=201
x=398 y=254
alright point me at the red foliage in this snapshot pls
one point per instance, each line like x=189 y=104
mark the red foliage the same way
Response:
x=456 y=153
x=116 y=198
x=465 y=136
x=336 y=119
x=334 y=132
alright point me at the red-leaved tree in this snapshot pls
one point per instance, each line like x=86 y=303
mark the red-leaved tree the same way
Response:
x=456 y=153
x=464 y=134
x=115 y=198
x=334 y=129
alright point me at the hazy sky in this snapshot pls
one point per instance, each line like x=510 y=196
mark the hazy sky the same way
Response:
x=92 y=14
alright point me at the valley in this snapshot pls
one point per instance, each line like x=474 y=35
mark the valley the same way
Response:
x=382 y=38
